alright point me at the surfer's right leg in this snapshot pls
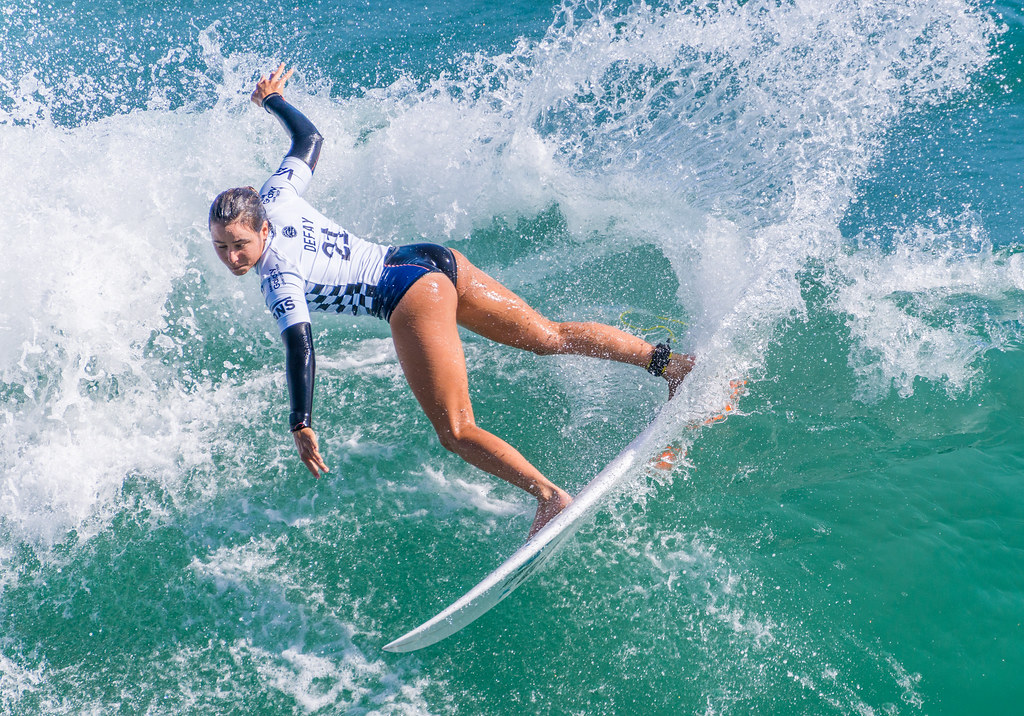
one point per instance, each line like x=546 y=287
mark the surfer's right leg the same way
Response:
x=427 y=341
x=488 y=308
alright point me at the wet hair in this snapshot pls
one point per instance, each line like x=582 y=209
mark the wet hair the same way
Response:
x=240 y=204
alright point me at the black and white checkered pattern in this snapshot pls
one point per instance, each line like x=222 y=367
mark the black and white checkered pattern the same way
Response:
x=342 y=299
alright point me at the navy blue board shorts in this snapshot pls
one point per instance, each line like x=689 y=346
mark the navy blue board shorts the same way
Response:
x=403 y=266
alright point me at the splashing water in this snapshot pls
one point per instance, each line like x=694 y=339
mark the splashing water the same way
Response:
x=730 y=165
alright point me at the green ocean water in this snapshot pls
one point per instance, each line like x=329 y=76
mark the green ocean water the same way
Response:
x=821 y=199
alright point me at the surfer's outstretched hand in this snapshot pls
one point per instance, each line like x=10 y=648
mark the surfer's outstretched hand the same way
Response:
x=679 y=366
x=309 y=451
x=274 y=84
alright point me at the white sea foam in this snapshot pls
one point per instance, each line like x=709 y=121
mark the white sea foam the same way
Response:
x=442 y=495
x=732 y=140
x=502 y=138
x=89 y=269
x=339 y=675
x=723 y=615
x=350 y=682
x=927 y=307
x=16 y=681
x=235 y=567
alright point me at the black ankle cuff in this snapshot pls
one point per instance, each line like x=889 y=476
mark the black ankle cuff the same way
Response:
x=659 y=359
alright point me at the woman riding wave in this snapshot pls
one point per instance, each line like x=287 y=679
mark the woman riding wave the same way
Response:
x=307 y=262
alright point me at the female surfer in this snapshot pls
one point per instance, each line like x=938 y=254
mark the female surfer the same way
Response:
x=307 y=262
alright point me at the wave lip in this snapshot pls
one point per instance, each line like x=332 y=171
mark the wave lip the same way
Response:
x=732 y=137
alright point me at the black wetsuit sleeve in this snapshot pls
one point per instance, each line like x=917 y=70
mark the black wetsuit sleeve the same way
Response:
x=300 y=369
x=306 y=140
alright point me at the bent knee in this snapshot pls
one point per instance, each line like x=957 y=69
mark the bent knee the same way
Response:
x=448 y=441
x=453 y=435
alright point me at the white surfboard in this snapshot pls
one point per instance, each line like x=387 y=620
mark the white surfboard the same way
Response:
x=529 y=558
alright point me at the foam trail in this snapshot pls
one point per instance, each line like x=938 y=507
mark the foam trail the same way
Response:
x=91 y=329
x=733 y=139
x=730 y=137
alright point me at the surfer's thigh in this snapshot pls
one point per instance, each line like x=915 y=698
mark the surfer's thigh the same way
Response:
x=426 y=339
x=489 y=309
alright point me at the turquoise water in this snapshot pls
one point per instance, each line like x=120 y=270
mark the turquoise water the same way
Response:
x=824 y=197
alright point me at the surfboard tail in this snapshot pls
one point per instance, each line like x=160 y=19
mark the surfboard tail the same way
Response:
x=525 y=562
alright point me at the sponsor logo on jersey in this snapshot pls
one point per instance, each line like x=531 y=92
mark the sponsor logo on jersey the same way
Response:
x=271 y=195
x=308 y=240
x=284 y=172
x=274 y=278
x=290 y=232
x=282 y=307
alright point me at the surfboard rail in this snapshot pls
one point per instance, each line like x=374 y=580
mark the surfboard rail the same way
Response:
x=528 y=559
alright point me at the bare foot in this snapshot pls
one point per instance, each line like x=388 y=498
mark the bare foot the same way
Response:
x=679 y=366
x=548 y=509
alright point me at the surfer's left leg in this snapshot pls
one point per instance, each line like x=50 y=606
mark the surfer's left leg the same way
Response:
x=673 y=367
x=490 y=309
x=427 y=341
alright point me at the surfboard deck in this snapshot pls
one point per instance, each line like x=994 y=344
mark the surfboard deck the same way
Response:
x=528 y=559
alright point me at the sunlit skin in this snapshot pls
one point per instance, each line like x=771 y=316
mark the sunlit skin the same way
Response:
x=238 y=246
x=424 y=328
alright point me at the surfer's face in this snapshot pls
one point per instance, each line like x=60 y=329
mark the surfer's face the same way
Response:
x=238 y=246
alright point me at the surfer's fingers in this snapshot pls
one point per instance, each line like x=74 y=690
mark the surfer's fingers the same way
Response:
x=266 y=86
x=275 y=74
x=308 y=462
x=318 y=460
x=312 y=467
x=309 y=451
x=262 y=91
x=278 y=77
x=313 y=462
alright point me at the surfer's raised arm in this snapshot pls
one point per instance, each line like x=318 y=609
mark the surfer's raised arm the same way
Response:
x=306 y=140
x=308 y=262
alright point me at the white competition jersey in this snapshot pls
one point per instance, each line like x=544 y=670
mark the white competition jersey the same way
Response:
x=308 y=258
